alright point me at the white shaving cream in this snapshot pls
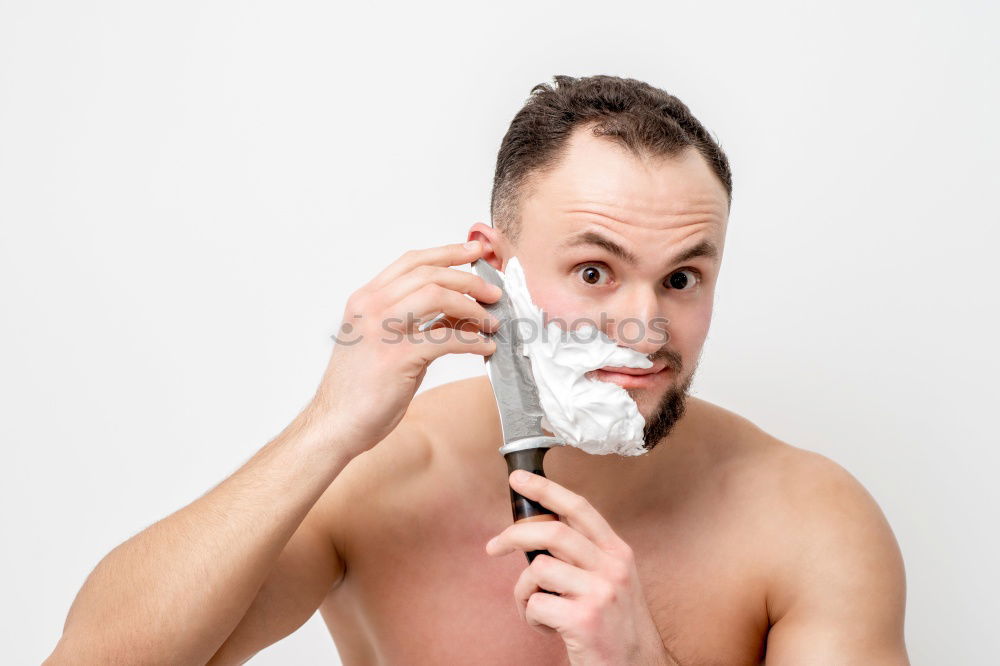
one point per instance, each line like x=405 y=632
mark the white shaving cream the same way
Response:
x=596 y=416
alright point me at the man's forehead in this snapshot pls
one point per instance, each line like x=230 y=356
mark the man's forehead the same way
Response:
x=600 y=177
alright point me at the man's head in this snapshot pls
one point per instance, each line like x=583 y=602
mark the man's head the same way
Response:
x=615 y=200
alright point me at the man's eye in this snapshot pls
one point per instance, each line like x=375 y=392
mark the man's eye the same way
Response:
x=593 y=274
x=683 y=280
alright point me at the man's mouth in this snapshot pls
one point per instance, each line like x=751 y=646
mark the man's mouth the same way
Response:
x=633 y=377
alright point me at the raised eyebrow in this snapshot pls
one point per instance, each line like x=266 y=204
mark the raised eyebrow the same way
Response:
x=594 y=238
x=705 y=248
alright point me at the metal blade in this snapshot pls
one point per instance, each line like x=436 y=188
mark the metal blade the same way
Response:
x=510 y=375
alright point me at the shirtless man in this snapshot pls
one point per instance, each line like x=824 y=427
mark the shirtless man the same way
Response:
x=390 y=513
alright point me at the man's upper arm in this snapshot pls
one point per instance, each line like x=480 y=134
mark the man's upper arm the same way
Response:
x=841 y=595
x=305 y=571
x=311 y=564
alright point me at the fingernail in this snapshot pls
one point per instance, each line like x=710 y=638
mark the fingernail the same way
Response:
x=521 y=476
x=430 y=322
x=472 y=245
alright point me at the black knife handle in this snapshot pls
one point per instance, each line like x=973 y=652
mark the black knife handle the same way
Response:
x=524 y=508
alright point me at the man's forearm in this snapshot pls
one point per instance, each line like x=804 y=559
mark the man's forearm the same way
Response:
x=175 y=591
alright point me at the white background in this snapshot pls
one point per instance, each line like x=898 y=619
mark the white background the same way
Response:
x=190 y=190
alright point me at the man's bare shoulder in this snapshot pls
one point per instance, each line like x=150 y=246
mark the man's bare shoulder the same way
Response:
x=461 y=403
x=813 y=493
x=461 y=418
x=793 y=479
x=828 y=553
x=441 y=425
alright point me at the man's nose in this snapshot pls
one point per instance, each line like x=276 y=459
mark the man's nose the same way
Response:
x=638 y=321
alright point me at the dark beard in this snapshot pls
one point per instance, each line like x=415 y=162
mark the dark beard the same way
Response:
x=667 y=414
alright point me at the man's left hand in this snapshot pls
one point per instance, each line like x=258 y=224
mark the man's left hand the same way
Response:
x=600 y=611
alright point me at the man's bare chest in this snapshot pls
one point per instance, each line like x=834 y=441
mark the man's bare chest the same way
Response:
x=423 y=590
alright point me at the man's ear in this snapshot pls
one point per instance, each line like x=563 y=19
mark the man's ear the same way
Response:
x=496 y=248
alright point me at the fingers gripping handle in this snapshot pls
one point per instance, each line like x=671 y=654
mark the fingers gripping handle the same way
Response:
x=524 y=508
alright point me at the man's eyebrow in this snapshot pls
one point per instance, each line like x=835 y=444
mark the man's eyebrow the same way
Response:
x=594 y=238
x=705 y=248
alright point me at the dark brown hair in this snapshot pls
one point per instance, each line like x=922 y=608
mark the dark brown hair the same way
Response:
x=646 y=120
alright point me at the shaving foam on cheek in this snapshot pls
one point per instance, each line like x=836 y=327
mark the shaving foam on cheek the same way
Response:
x=596 y=416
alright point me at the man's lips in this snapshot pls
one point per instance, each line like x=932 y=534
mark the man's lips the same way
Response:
x=633 y=378
x=635 y=371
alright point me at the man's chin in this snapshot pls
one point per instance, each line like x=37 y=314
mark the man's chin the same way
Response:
x=661 y=412
x=648 y=401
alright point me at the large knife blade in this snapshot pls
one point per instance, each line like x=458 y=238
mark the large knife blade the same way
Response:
x=510 y=375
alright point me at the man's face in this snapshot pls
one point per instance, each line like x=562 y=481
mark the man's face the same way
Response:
x=607 y=238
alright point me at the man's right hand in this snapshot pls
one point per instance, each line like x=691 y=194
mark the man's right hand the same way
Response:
x=381 y=357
